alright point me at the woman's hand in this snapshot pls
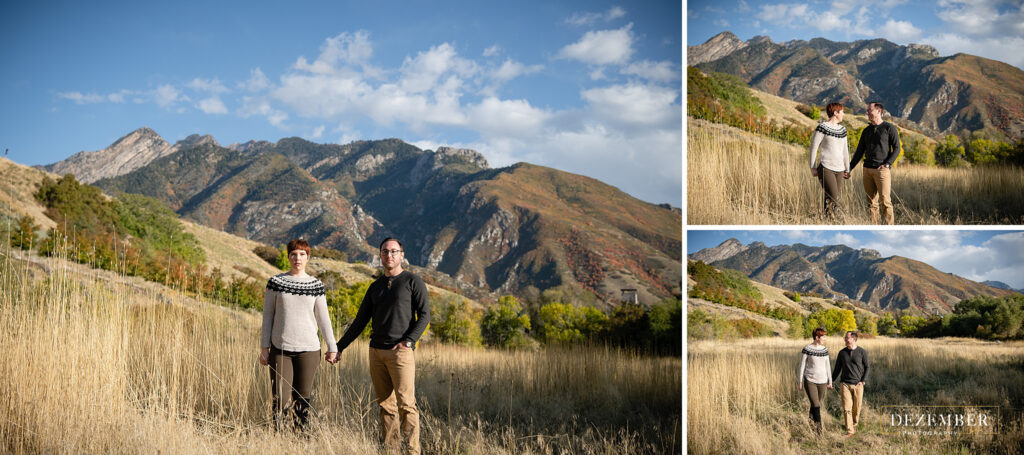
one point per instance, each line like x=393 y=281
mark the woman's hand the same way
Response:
x=265 y=356
x=830 y=386
x=800 y=386
x=814 y=172
x=846 y=175
x=332 y=357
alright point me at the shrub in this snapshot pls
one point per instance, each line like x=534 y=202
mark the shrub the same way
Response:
x=505 y=324
x=454 y=322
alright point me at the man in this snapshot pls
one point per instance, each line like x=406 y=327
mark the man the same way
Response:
x=852 y=371
x=879 y=145
x=397 y=304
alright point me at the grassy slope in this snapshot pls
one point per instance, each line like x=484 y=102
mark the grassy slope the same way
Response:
x=224 y=251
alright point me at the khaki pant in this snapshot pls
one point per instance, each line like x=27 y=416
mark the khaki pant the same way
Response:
x=853 y=396
x=393 y=373
x=878 y=184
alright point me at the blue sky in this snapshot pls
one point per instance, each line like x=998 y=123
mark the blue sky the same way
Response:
x=989 y=28
x=974 y=254
x=590 y=87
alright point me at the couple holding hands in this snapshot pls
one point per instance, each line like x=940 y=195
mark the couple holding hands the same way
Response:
x=879 y=146
x=295 y=306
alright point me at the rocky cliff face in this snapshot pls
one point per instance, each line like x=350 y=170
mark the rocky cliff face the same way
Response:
x=837 y=271
x=520 y=229
x=131 y=152
x=939 y=95
x=726 y=250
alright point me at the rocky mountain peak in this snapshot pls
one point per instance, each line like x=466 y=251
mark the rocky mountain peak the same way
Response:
x=468 y=154
x=194 y=140
x=715 y=48
x=725 y=250
x=130 y=152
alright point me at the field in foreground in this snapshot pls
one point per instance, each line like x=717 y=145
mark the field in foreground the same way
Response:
x=735 y=177
x=100 y=363
x=743 y=397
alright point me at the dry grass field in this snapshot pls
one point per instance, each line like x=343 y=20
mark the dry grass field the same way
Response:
x=743 y=396
x=95 y=362
x=734 y=177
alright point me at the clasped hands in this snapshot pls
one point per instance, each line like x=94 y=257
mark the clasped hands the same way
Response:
x=331 y=357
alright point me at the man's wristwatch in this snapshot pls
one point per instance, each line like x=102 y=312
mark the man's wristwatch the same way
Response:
x=408 y=344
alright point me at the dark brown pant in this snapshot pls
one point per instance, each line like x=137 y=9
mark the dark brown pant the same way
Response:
x=816 y=393
x=291 y=383
x=831 y=181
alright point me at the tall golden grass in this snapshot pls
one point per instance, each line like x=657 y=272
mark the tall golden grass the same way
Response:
x=95 y=362
x=743 y=396
x=734 y=177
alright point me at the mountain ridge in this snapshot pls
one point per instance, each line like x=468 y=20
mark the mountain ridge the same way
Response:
x=518 y=229
x=955 y=94
x=838 y=271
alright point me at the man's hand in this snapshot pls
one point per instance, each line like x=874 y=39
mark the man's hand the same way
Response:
x=265 y=356
x=860 y=384
x=399 y=346
x=332 y=357
x=846 y=174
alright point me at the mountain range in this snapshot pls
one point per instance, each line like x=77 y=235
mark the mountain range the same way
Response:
x=955 y=94
x=837 y=271
x=518 y=229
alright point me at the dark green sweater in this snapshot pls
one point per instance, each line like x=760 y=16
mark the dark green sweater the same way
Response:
x=399 y=309
x=851 y=366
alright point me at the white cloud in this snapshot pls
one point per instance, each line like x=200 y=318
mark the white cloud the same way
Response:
x=252 y=106
x=721 y=23
x=900 y=31
x=999 y=258
x=663 y=71
x=80 y=98
x=491 y=51
x=511 y=69
x=590 y=18
x=212 y=105
x=1005 y=49
x=831 y=23
x=635 y=104
x=422 y=72
x=598 y=74
x=167 y=95
x=602 y=47
x=207 y=85
x=743 y=7
x=844 y=239
x=346 y=48
x=317 y=132
x=502 y=118
x=257 y=81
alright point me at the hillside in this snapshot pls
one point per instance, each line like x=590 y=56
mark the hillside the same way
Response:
x=839 y=272
x=232 y=255
x=520 y=229
x=940 y=95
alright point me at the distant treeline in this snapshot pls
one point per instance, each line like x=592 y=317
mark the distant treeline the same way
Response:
x=724 y=98
x=140 y=236
x=988 y=318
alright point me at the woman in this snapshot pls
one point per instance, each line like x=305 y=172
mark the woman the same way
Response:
x=830 y=138
x=294 y=305
x=815 y=374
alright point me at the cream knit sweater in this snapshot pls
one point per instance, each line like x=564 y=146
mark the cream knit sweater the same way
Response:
x=831 y=141
x=293 y=308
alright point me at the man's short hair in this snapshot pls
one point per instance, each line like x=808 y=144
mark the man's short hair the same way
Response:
x=819 y=332
x=852 y=334
x=390 y=239
x=832 y=108
x=877 y=105
x=298 y=244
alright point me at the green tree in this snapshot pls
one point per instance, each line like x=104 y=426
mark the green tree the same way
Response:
x=25 y=233
x=629 y=325
x=887 y=325
x=666 y=322
x=950 y=152
x=454 y=322
x=282 y=259
x=343 y=304
x=867 y=323
x=559 y=323
x=505 y=324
